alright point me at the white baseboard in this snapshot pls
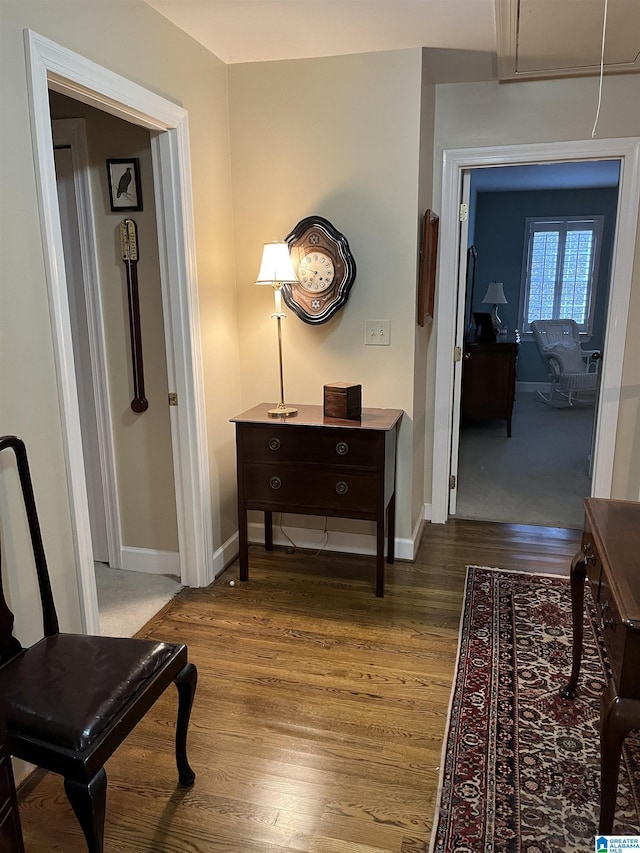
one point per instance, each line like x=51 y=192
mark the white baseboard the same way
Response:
x=416 y=536
x=347 y=543
x=426 y=512
x=226 y=554
x=151 y=561
x=524 y=387
x=168 y=562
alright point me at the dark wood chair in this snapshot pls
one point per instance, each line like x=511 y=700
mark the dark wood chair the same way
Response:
x=70 y=700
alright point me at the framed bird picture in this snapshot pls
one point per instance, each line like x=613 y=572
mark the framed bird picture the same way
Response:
x=123 y=178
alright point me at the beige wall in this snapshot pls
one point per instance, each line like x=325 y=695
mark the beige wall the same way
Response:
x=422 y=368
x=338 y=137
x=153 y=53
x=144 y=460
x=484 y=114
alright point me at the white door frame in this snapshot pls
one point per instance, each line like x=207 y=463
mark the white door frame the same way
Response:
x=71 y=132
x=455 y=161
x=463 y=243
x=50 y=66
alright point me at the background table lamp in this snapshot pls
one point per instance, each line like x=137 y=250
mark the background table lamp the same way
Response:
x=275 y=269
x=495 y=296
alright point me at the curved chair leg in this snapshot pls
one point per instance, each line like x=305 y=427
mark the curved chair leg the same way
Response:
x=88 y=801
x=555 y=398
x=186 y=684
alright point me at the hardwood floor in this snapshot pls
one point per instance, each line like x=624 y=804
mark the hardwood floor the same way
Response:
x=320 y=709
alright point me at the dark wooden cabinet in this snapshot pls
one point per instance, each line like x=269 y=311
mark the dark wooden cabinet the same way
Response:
x=317 y=465
x=489 y=380
x=608 y=559
x=10 y=832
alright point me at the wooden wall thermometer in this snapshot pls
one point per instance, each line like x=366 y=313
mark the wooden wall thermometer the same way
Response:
x=129 y=242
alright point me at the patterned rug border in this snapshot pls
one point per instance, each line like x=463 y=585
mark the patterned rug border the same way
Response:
x=563 y=579
x=447 y=726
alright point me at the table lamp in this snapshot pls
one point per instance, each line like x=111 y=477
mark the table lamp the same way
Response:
x=495 y=296
x=276 y=268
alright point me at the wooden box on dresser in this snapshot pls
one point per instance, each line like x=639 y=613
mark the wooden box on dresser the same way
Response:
x=318 y=465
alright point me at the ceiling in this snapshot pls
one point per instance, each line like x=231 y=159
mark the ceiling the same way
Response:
x=468 y=40
x=558 y=176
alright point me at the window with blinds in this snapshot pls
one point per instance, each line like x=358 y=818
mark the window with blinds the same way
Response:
x=561 y=270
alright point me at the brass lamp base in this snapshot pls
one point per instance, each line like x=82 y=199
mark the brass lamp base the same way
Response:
x=282 y=411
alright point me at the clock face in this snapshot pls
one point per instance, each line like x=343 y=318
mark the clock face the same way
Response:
x=316 y=272
x=325 y=268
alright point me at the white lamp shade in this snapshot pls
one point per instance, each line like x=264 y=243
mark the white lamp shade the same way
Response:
x=276 y=265
x=495 y=294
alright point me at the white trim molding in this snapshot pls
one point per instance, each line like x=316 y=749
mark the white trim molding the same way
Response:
x=226 y=553
x=457 y=161
x=313 y=539
x=51 y=66
x=72 y=132
x=151 y=561
x=532 y=387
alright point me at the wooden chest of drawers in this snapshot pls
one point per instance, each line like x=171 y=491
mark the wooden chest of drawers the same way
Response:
x=318 y=466
x=609 y=560
x=610 y=542
x=489 y=380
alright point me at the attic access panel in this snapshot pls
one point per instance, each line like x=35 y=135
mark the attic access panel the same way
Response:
x=561 y=38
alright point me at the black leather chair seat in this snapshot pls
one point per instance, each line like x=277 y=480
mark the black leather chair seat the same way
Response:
x=69 y=687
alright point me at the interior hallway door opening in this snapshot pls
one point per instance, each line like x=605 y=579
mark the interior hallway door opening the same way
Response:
x=491 y=471
x=456 y=162
x=50 y=65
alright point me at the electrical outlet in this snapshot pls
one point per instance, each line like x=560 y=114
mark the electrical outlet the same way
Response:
x=377 y=333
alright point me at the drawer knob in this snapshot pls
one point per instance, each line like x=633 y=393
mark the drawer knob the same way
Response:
x=275 y=483
x=342 y=488
x=274 y=444
x=342 y=448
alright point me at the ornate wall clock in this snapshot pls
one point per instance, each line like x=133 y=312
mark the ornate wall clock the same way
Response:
x=325 y=267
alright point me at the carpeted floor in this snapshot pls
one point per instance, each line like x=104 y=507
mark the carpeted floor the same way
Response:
x=127 y=600
x=538 y=476
x=520 y=768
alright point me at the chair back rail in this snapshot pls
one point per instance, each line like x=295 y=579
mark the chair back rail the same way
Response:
x=9 y=645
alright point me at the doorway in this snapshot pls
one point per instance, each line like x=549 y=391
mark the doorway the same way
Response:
x=541 y=473
x=127 y=455
x=51 y=66
x=71 y=223
x=449 y=331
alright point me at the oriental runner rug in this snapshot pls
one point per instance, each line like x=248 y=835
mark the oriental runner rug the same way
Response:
x=520 y=769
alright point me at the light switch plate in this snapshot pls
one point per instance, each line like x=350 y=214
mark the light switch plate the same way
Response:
x=377 y=333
